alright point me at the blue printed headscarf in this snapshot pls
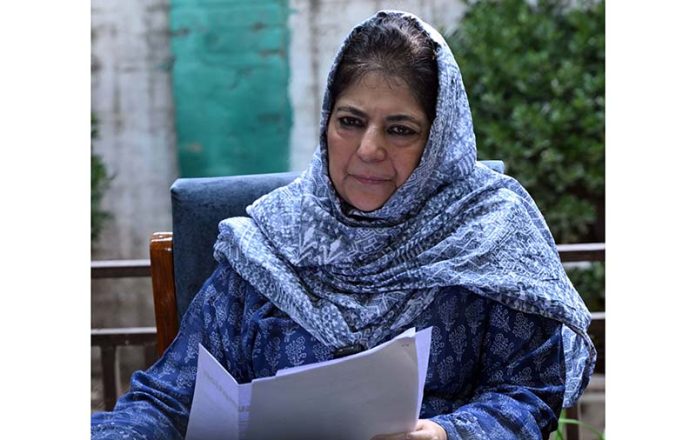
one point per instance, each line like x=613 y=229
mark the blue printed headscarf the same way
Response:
x=352 y=277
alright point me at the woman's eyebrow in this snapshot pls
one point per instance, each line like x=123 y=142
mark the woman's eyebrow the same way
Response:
x=390 y=118
x=352 y=110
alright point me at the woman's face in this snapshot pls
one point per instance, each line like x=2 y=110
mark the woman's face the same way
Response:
x=376 y=136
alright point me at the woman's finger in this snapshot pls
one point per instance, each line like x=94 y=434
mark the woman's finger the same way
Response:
x=424 y=430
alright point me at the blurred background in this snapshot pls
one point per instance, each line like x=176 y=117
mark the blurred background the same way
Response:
x=194 y=88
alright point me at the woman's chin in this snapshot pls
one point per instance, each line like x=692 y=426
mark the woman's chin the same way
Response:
x=367 y=204
x=367 y=198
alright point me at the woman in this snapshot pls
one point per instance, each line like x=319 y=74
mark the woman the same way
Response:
x=394 y=225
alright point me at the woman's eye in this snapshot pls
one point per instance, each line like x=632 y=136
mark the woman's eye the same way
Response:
x=347 y=121
x=400 y=130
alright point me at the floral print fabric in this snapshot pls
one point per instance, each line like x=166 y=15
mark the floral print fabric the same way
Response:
x=493 y=373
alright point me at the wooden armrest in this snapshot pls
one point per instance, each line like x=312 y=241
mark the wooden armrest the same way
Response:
x=163 y=290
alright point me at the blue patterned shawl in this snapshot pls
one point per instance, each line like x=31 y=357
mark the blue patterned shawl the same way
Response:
x=350 y=277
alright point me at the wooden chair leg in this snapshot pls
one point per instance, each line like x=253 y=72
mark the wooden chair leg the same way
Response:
x=163 y=289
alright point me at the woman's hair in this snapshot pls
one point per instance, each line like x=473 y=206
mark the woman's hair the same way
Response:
x=393 y=46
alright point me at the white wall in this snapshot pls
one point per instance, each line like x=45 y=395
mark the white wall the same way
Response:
x=132 y=99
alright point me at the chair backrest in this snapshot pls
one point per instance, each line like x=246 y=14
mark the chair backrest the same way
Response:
x=198 y=205
x=182 y=261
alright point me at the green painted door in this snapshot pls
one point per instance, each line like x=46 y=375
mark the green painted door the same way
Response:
x=230 y=84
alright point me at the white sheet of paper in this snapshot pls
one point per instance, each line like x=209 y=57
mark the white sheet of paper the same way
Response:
x=356 y=397
x=217 y=400
x=423 y=339
x=373 y=392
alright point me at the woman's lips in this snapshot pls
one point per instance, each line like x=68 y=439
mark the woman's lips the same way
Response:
x=370 y=180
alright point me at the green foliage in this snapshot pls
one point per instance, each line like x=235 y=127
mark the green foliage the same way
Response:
x=100 y=183
x=589 y=282
x=535 y=81
x=564 y=421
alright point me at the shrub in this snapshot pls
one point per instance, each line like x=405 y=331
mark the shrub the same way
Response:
x=535 y=81
x=589 y=282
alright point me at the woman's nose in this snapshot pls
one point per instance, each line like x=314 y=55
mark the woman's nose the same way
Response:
x=371 y=147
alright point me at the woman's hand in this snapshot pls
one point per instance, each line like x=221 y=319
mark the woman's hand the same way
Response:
x=425 y=430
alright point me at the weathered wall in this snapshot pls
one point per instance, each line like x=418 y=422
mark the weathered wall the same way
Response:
x=131 y=97
x=317 y=29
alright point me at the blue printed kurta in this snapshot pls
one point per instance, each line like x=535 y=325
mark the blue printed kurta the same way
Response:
x=493 y=372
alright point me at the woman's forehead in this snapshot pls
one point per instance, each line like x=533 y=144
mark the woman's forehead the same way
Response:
x=379 y=91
